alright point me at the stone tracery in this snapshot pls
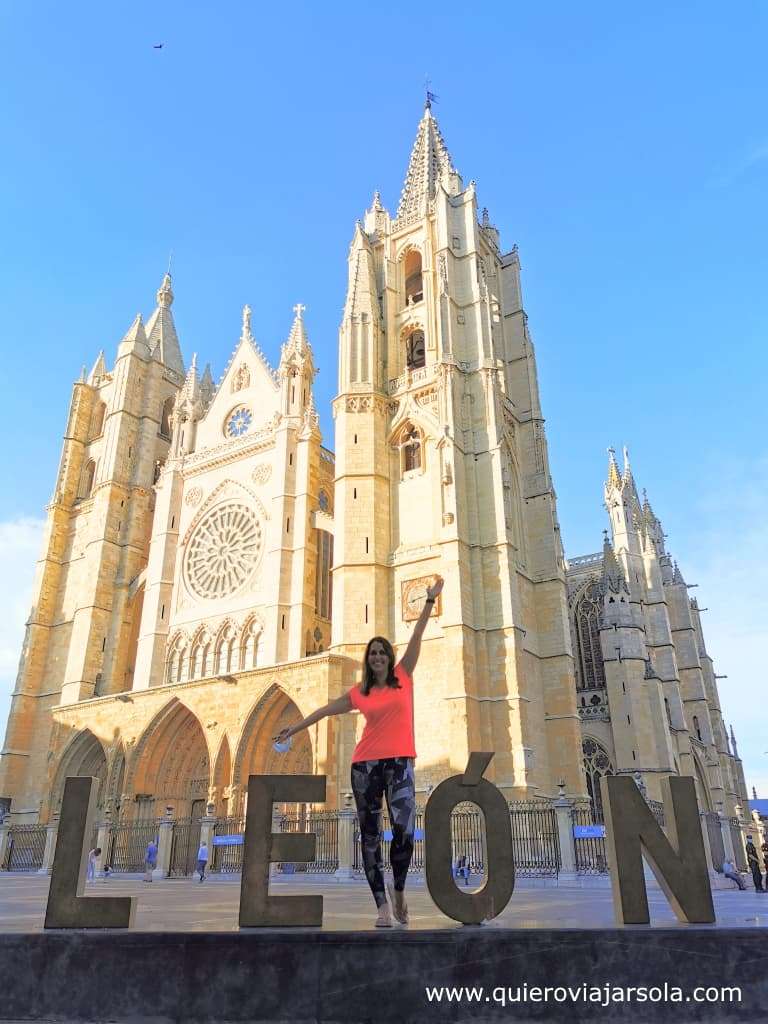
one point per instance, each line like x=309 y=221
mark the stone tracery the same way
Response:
x=224 y=551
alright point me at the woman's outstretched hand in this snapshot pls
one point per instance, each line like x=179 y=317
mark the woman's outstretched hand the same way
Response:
x=434 y=591
x=282 y=736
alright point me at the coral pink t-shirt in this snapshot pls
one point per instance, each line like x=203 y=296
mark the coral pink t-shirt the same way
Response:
x=388 y=715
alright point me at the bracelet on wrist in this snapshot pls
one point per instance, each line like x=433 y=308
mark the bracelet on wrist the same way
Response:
x=430 y=600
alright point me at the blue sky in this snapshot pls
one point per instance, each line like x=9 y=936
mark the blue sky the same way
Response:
x=624 y=150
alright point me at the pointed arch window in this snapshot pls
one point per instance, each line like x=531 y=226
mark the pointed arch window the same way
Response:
x=97 y=420
x=165 y=418
x=697 y=727
x=86 y=479
x=323 y=585
x=411 y=451
x=226 y=652
x=201 y=658
x=249 y=647
x=597 y=763
x=414 y=282
x=415 y=352
x=590 y=673
x=176 y=669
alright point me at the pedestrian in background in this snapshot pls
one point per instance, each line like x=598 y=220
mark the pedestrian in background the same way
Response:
x=202 y=860
x=754 y=865
x=150 y=860
x=730 y=872
x=93 y=856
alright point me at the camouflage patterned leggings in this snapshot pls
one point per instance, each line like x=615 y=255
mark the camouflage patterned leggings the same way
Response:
x=371 y=780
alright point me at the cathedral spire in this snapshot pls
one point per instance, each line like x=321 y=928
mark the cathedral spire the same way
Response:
x=614 y=477
x=135 y=339
x=98 y=370
x=430 y=164
x=206 y=384
x=613 y=576
x=161 y=330
x=297 y=352
x=627 y=480
x=297 y=339
x=733 y=743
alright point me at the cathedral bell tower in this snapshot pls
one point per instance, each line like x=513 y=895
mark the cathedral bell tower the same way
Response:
x=81 y=639
x=441 y=468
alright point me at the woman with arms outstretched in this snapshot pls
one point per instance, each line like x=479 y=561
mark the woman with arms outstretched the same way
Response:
x=382 y=762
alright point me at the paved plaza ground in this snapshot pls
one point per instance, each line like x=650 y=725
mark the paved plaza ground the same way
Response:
x=185 y=904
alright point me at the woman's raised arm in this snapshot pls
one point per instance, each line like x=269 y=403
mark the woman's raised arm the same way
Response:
x=340 y=706
x=412 y=651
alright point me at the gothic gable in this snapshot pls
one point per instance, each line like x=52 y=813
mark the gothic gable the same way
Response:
x=246 y=399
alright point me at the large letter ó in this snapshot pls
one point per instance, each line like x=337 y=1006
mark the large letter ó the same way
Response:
x=262 y=847
x=679 y=863
x=67 y=907
x=476 y=907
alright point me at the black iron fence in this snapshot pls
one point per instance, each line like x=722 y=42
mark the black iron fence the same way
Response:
x=25 y=848
x=127 y=845
x=385 y=831
x=185 y=842
x=325 y=826
x=535 y=838
x=228 y=859
x=588 y=842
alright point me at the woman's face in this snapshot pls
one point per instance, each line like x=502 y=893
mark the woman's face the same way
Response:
x=377 y=658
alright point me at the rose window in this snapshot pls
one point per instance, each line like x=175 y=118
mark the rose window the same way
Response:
x=224 y=551
x=238 y=422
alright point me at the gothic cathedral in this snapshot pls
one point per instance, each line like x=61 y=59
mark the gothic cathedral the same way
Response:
x=211 y=572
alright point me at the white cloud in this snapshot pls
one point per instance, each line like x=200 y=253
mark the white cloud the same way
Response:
x=728 y=560
x=752 y=157
x=20 y=541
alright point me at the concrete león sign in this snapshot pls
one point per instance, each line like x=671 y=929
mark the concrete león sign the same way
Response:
x=678 y=862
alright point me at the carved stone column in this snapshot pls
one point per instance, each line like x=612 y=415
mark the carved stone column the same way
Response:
x=50 y=846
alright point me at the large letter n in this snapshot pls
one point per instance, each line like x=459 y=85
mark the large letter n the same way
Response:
x=679 y=863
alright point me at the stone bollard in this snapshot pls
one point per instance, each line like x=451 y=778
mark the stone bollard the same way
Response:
x=102 y=842
x=346 y=840
x=564 y=814
x=725 y=828
x=50 y=846
x=164 y=843
x=5 y=835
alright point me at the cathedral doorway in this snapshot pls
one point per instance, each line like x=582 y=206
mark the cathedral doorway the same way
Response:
x=171 y=766
x=256 y=754
x=702 y=789
x=84 y=756
x=596 y=764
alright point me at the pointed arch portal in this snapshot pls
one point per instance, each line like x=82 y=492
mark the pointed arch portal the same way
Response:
x=172 y=766
x=256 y=754
x=83 y=757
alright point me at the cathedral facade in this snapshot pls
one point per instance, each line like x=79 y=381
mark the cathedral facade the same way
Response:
x=212 y=572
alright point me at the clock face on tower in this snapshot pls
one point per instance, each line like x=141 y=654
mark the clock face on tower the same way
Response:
x=413 y=596
x=238 y=422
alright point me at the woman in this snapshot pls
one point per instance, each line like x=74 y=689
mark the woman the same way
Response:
x=382 y=762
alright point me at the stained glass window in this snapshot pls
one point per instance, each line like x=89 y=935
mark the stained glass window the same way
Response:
x=590 y=674
x=239 y=422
